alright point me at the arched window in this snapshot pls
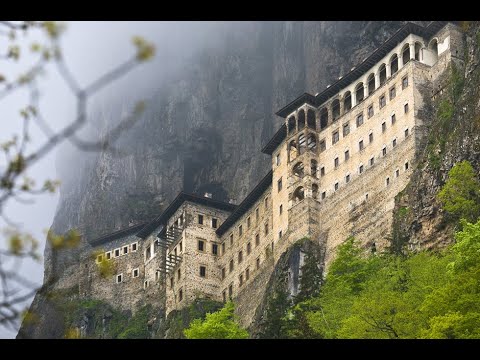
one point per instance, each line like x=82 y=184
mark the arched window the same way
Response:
x=371 y=84
x=313 y=168
x=347 y=101
x=301 y=143
x=291 y=124
x=433 y=47
x=406 y=53
x=299 y=194
x=292 y=150
x=418 y=47
x=315 y=191
x=359 y=93
x=323 y=118
x=335 y=109
x=311 y=142
x=311 y=119
x=382 y=73
x=298 y=170
x=301 y=119
x=393 y=64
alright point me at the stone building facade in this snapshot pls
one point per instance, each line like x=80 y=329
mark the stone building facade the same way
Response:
x=338 y=162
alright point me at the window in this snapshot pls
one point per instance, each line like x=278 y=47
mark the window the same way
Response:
x=336 y=162
x=278 y=159
x=240 y=230
x=125 y=250
x=394 y=142
x=200 y=219
x=371 y=161
x=323 y=145
x=406 y=132
x=279 y=184
x=108 y=255
x=280 y=234
x=214 y=223
x=336 y=186
x=257 y=263
x=397 y=173
x=257 y=214
x=134 y=247
x=346 y=129
x=223 y=273
x=335 y=137
x=394 y=119
x=135 y=273
x=180 y=246
x=180 y=295
x=370 y=111
x=171 y=282
x=119 y=278
x=99 y=258
x=281 y=209
x=387 y=181
x=117 y=253
x=406 y=165
x=257 y=239
x=359 y=120
x=230 y=269
x=203 y=271
x=382 y=101
x=179 y=274
x=231 y=239
x=214 y=249
x=347 y=178
x=230 y=291
x=324 y=195
x=240 y=280
x=223 y=248
x=370 y=137
x=384 y=151
x=266 y=228
x=249 y=248
x=247 y=274
x=145 y=284
x=405 y=108
x=266 y=203
x=366 y=196
x=360 y=169
x=360 y=145
x=249 y=222
x=393 y=92
x=322 y=171
x=347 y=155
x=224 y=295
x=201 y=245
x=384 y=127
x=157 y=275
x=404 y=82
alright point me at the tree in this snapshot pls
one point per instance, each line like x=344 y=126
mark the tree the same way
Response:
x=221 y=324
x=461 y=193
x=19 y=155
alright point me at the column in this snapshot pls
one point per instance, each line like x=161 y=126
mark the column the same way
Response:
x=377 y=80
x=400 y=60
x=353 y=95
x=412 y=51
x=388 y=70
x=365 y=90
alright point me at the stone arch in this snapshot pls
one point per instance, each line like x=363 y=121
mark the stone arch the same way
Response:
x=298 y=194
x=311 y=142
x=433 y=47
x=347 y=101
x=323 y=118
x=418 y=47
x=315 y=191
x=382 y=74
x=301 y=119
x=371 y=83
x=394 y=64
x=301 y=143
x=311 y=123
x=406 y=53
x=359 y=92
x=313 y=167
x=298 y=170
x=335 y=109
x=292 y=150
x=291 y=124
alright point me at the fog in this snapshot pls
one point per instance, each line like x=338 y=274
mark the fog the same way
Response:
x=90 y=50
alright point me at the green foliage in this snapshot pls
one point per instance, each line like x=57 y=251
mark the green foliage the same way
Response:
x=461 y=193
x=137 y=326
x=218 y=325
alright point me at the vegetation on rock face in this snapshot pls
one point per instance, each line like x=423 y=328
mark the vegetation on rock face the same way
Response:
x=221 y=324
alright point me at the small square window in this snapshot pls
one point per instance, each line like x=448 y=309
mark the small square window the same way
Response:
x=322 y=171
x=134 y=247
x=266 y=203
x=200 y=219
x=119 y=278
x=99 y=258
x=240 y=280
x=257 y=214
x=336 y=186
x=384 y=151
x=324 y=195
x=360 y=169
x=223 y=273
x=108 y=255
x=266 y=228
x=249 y=222
x=360 y=145
x=370 y=138
x=279 y=185
x=397 y=173
x=384 y=127
x=214 y=249
x=336 y=162
x=405 y=108
x=393 y=92
x=240 y=230
x=214 y=223
x=278 y=159
x=371 y=161
x=281 y=209
x=335 y=137
x=406 y=132
x=347 y=155
x=180 y=246
x=125 y=250
x=249 y=248
x=346 y=129
x=135 y=273
x=359 y=120
x=157 y=275
x=387 y=181
x=404 y=82
x=394 y=119
x=247 y=274
x=201 y=245
x=117 y=252
x=230 y=269
x=406 y=165
x=370 y=111
x=394 y=142
x=347 y=178
x=257 y=239
x=322 y=145
x=231 y=239
x=203 y=271
x=382 y=101
x=171 y=282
